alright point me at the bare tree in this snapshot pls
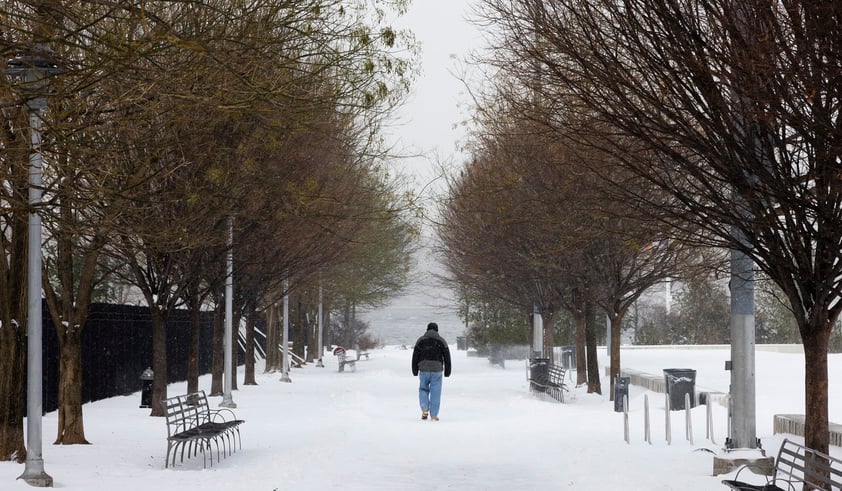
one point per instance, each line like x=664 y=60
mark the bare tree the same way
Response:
x=737 y=105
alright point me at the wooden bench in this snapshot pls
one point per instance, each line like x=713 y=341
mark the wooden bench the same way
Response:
x=194 y=426
x=551 y=382
x=796 y=467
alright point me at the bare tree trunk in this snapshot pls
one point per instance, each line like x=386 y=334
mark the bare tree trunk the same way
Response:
x=71 y=427
x=13 y=343
x=353 y=325
x=293 y=337
x=235 y=349
x=302 y=328
x=277 y=339
x=581 y=356
x=13 y=301
x=159 y=359
x=218 y=341
x=594 y=384
x=309 y=338
x=193 y=349
x=816 y=435
x=547 y=317
x=12 y=393
x=271 y=340
x=326 y=329
x=248 y=377
x=616 y=323
x=346 y=333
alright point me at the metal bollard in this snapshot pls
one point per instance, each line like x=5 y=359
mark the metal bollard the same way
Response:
x=626 y=418
x=688 y=419
x=709 y=421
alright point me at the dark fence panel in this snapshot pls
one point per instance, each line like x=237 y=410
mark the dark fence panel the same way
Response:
x=117 y=347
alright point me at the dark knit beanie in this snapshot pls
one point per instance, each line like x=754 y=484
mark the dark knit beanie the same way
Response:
x=433 y=326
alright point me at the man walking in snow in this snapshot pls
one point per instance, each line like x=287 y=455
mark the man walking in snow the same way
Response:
x=429 y=357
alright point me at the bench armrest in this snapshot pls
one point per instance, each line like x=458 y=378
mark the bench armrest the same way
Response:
x=221 y=415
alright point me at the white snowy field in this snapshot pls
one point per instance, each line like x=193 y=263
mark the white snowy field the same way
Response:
x=362 y=430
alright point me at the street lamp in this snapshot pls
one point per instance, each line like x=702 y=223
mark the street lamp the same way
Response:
x=537 y=331
x=285 y=362
x=321 y=327
x=28 y=73
x=227 y=380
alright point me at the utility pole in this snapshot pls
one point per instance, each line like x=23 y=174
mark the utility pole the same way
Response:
x=742 y=406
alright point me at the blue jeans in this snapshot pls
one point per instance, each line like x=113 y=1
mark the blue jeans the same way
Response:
x=429 y=392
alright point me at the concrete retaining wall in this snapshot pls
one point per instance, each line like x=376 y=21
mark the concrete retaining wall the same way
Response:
x=793 y=424
x=779 y=348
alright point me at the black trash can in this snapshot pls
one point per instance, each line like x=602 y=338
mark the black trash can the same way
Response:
x=568 y=357
x=146 y=389
x=621 y=391
x=680 y=381
x=497 y=355
x=461 y=343
x=539 y=371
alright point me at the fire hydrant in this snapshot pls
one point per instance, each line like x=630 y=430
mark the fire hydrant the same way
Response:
x=146 y=391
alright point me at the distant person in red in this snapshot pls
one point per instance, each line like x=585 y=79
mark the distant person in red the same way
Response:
x=430 y=357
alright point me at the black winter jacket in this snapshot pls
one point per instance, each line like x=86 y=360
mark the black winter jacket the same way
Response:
x=431 y=354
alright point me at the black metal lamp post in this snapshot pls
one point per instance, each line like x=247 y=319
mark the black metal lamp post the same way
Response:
x=28 y=73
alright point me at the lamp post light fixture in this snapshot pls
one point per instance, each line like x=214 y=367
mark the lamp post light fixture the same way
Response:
x=28 y=74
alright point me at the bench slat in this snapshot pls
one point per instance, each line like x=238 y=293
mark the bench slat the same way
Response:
x=797 y=464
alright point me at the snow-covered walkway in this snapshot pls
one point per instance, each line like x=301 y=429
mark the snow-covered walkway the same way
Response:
x=362 y=431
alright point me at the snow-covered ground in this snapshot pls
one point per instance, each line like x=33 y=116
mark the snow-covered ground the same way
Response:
x=362 y=431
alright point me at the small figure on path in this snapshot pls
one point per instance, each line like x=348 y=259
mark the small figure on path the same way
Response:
x=430 y=357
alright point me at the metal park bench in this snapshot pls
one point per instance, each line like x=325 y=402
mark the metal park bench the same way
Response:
x=343 y=359
x=796 y=467
x=550 y=381
x=193 y=426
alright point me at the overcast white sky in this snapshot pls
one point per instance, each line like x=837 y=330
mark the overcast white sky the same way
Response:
x=429 y=126
x=430 y=122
